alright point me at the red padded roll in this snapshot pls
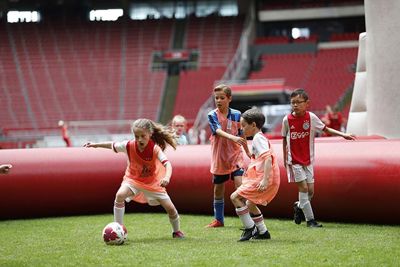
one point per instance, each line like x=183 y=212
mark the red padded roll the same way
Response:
x=355 y=181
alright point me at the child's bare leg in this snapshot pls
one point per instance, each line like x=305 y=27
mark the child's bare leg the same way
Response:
x=238 y=181
x=172 y=214
x=119 y=205
x=219 y=191
x=242 y=210
x=253 y=208
x=237 y=200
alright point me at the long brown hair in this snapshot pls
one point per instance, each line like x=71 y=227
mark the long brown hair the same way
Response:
x=160 y=134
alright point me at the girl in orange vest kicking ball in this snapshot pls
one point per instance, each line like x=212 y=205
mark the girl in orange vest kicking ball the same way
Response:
x=148 y=171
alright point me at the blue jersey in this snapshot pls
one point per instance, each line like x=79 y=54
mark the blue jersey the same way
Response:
x=233 y=116
x=227 y=156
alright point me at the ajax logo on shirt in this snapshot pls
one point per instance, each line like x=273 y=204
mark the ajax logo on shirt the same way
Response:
x=306 y=125
x=298 y=135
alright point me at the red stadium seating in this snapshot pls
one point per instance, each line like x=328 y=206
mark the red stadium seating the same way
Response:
x=80 y=71
x=325 y=75
x=216 y=38
x=102 y=71
x=271 y=40
x=331 y=76
x=351 y=36
x=195 y=87
x=292 y=67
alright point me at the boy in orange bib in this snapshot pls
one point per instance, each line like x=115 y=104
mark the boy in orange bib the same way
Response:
x=260 y=182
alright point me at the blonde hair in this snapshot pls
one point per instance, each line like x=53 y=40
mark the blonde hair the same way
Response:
x=178 y=118
x=160 y=134
x=224 y=88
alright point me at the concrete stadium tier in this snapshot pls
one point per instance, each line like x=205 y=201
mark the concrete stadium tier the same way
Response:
x=355 y=182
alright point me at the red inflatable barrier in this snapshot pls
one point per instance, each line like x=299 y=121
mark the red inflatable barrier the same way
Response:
x=355 y=182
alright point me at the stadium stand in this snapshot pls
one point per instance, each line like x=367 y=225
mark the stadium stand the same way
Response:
x=331 y=76
x=326 y=75
x=80 y=71
x=292 y=67
x=216 y=38
x=76 y=70
x=194 y=89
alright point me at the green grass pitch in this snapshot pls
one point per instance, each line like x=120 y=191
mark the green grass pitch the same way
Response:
x=77 y=241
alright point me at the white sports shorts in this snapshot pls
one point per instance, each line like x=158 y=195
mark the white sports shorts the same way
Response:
x=152 y=197
x=297 y=173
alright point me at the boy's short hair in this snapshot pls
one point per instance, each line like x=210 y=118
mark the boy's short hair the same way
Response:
x=178 y=118
x=224 y=88
x=299 y=92
x=254 y=115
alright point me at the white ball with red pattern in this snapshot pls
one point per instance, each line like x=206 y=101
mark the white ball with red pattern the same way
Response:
x=114 y=234
x=125 y=232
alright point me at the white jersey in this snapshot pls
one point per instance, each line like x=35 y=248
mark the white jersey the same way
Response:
x=260 y=145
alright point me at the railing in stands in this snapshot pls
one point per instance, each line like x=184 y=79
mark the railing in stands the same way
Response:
x=238 y=66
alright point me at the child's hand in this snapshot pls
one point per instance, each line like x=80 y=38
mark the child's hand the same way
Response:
x=349 y=137
x=240 y=141
x=88 y=144
x=262 y=186
x=248 y=154
x=5 y=168
x=164 y=182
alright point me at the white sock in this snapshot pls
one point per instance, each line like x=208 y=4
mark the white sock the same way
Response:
x=175 y=223
x=119 y=211
x=305 y=205
x=244 y=216
x=259 y=221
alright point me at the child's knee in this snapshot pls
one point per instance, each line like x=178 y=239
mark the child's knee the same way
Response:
x=172 y=212
x=219 y=190
x=235 y=198
x=303 y=188
x=173 y=216
x=120 y=197
x=170 y=208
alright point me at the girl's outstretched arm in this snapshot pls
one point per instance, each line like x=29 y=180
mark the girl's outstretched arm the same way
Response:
x=108 y=145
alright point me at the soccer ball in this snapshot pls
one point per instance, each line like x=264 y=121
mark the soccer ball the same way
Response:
x=114 y=234
x=125 y=232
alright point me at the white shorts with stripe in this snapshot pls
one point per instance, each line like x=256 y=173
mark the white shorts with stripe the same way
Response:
x=297 y=173
x=152 y=197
